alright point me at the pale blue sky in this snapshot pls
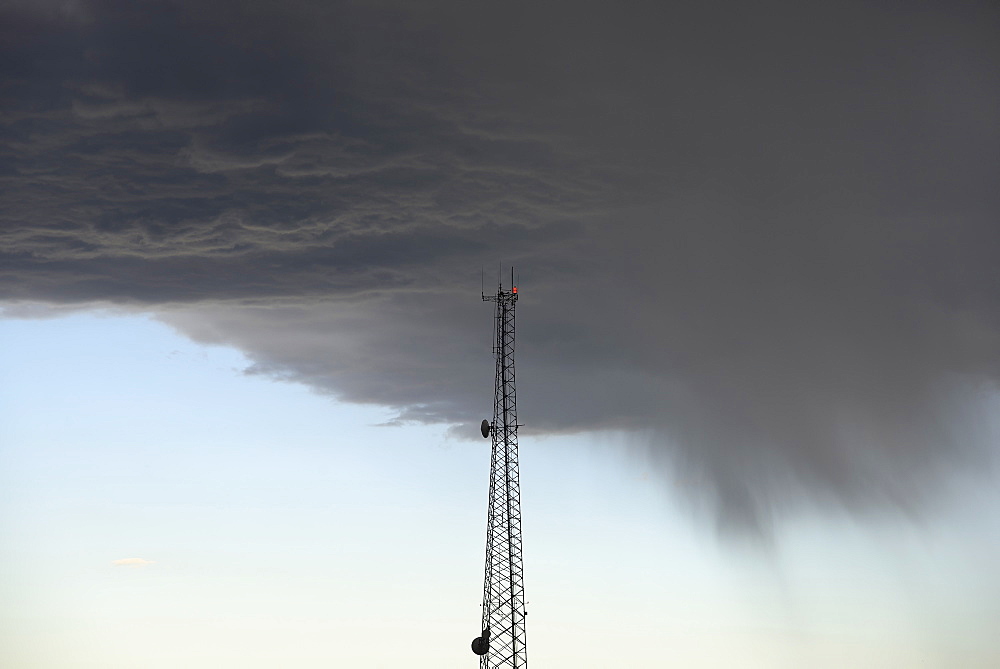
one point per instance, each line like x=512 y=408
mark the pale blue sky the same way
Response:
x=287 y=529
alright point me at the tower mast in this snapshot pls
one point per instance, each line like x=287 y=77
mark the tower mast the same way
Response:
x=503 y=642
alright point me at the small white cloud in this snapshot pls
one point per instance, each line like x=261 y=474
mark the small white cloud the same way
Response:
x=131 y=562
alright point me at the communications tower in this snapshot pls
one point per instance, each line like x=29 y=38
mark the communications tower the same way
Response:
x=503 y=640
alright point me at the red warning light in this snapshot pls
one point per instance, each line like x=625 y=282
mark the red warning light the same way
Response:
x=514 y=290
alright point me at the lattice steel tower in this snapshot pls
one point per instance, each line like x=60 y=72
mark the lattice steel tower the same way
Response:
x=503 y=640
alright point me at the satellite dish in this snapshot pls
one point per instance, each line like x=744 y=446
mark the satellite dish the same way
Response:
x=481 y=644
x=485 y=429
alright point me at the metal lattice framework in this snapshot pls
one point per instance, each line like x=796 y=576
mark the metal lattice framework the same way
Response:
x=503 y=587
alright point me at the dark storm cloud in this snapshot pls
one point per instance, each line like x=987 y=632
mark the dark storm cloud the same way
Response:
x=152 y=145
x=765 y=238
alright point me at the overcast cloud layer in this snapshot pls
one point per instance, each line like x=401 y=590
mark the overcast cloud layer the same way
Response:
x=764 y=238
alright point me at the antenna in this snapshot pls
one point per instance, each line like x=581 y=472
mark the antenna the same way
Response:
x=503 y=642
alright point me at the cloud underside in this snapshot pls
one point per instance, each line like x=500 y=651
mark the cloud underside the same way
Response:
x=766 y=246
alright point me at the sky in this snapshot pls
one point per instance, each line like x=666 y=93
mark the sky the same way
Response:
x=245 y=357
